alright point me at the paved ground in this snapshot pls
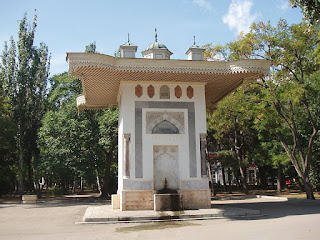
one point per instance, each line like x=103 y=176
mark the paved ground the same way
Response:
x=295 y=219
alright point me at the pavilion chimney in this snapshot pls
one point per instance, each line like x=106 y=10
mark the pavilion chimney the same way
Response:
x=128 y=50
x=195 y=52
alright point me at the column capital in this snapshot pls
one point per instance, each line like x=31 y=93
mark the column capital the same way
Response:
x=203 y=136
x=127 y=136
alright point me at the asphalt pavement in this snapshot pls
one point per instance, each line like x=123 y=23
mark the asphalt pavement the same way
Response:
x=278 y=219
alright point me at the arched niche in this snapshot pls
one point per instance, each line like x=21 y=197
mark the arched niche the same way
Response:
x=165 y=125
x=164 y=92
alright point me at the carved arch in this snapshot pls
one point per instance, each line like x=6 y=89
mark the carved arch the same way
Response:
x=162 y=119
x=165 y=127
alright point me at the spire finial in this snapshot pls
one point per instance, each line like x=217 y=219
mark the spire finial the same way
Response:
x=155 y=35
x=194 y=40
x=128 y=38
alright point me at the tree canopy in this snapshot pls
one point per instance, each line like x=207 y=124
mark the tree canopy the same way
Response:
x=286 y=98
x=24 y=74
x=310 y=9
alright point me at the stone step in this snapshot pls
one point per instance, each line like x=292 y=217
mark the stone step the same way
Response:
x=100 y=214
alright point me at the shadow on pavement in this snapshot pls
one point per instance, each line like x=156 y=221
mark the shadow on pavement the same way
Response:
x=273 y=209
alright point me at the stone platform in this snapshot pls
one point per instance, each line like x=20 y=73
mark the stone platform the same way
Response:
x=220 y=208
x=100 y=214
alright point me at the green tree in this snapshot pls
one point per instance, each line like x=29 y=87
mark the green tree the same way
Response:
x=232 y=123
x=310 y=9
x=91 y=48
x=8 y=149
x=78 y=144
x=25 y=69
x=108 y=128
x=287 y=106
x=228 y=159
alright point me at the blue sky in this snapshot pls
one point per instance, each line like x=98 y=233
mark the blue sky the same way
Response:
x=70 y=25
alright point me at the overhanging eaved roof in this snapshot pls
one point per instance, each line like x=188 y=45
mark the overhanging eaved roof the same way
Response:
x=101 y=75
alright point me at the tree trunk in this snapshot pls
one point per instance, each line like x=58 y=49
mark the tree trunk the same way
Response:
x=21 y=159
x=308 y=188
x=66 y=184
x=244 y=180
x=63 y=185
x=279 y=172
x=74 y=186
x=20 y=171
x=98 y=182
x=106 y=179
x=224 y=179
x=213 y=191
x=229 y=178
x=81 y=184
x=303 y=174
x=30 y=174
x=237 y=182
x=302 y=166
x=36 y=183
x=262 y=177
x=240 y=152
x=48 y=182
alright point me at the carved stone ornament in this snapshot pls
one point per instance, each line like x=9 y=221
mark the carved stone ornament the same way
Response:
x=150 y=91
x=153 y=119
x=190 y=92
x=178 y=91
x=164 y=92
x=127 y=136
x=138 y=90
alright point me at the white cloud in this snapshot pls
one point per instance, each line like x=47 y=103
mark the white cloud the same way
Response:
x=203 y=4
x=218 y=58
x=239 y=16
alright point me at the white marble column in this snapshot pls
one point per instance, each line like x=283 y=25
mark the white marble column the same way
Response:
x=126 y=155
x=203 y=143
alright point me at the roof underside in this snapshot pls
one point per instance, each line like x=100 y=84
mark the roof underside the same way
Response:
x=101 y=76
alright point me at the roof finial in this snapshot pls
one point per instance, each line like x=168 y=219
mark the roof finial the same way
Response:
x=194 y=40
x=128 y=38
x=155 y=35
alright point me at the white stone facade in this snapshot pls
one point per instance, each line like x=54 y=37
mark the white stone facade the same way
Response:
x=154 y=157
x=162 y=116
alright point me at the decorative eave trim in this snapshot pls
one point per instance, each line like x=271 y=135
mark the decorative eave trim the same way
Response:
x=157 y=65
x=83 y=105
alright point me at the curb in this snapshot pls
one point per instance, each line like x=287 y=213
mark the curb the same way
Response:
x=157 y=220
x=272 y=197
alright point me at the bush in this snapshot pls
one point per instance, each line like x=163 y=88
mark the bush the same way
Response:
x=55 y=191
